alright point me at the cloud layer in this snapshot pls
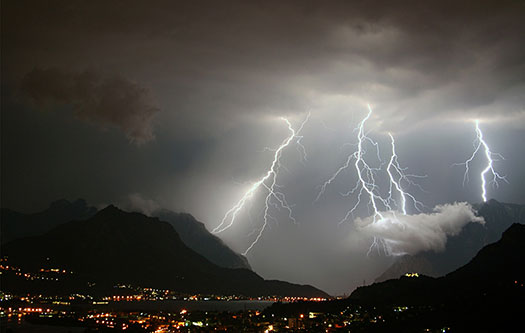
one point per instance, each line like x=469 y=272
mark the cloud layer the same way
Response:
x=105 y=101
x=214 y=68
x=410 y=234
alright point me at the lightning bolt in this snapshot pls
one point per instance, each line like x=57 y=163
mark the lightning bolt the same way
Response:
x=366 y=187
x=362 y=167
x=268 y=182
x=480 y=143
x=393 y=165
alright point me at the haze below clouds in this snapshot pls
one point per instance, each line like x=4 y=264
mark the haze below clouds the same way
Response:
x=173 y=103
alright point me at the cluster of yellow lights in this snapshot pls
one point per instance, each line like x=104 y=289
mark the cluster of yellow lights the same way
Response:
x=310 y=299
x=412 y=275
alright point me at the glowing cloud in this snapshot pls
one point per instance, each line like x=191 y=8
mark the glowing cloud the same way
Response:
x=410 y=234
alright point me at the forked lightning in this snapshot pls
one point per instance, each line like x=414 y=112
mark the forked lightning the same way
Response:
x=478 y=144
x=383 y=207
x=269 y=183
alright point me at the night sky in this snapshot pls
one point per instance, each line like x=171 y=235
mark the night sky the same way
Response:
x=172 y=104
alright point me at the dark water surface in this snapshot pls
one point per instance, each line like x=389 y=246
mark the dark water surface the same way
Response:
x=176 y=306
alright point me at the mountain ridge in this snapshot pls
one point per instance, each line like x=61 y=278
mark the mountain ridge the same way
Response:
x=462 y=248
x=16 y=225
x=120 y=247
x=193 y=233
x=481 y=275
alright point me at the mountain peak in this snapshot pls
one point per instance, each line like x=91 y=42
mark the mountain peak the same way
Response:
x=79 y=205
x=113 y=215
x=493 y=202
x=110 y=210
x=59 y=204
x=515 y=231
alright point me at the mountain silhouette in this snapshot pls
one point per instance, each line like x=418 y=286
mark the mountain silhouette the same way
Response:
x=16 y=225
x=195 y=235
x=496 y=268
x=485 y=295
x=192 y=232
x=463 y=247
x=116 y=247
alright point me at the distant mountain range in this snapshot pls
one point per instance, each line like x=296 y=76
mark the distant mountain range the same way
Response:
x=17 y=225
x=192 y=232
x=116 y=247
x=463 y=247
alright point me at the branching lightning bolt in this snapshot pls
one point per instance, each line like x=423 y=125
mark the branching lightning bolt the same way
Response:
x=393 y=164
x=366 y=185
x=366 y=182
x=480 y=143
x=268 y=182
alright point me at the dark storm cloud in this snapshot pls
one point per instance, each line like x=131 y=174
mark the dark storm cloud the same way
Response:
x=210 y=61
x=111 y=101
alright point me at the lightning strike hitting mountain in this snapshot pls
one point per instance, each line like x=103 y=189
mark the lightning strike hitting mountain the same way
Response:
x=478 y=144
x=268 y=182
x=383 y=208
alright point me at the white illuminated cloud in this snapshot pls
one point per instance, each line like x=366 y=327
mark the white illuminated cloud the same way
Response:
x=410 y=234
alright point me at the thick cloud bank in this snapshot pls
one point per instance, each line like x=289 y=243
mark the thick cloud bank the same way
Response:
x=410 y=234
x=106 y=101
